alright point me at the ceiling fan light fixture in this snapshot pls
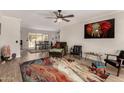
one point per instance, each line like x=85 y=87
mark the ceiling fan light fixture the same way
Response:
x=59 y=17
x=59 y=20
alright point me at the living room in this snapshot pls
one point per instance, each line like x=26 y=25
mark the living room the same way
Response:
x=48 y=38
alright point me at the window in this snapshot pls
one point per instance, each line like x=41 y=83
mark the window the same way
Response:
x=33 y=38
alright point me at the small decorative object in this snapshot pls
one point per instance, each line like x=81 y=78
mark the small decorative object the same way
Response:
x=5 y=53
x=47 y=61
x=13 y=55
x=101 y=29
x=70 y=60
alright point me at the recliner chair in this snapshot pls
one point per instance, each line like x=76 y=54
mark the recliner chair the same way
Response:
x=118 y=63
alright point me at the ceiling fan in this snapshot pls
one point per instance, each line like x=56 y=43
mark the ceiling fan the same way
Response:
x=60 y=17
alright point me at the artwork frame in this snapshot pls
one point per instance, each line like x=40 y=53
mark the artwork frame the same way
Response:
x=99 y=30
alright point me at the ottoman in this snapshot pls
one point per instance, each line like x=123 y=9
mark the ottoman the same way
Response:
x=99 y=67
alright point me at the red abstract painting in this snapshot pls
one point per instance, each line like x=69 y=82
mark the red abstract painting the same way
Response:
x=101 y=29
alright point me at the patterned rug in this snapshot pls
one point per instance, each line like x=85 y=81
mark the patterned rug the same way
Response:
x=84 y=71
x=58 y=70
x=41 y=70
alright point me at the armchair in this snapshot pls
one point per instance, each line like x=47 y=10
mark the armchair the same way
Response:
x=76 y=50
x=118 y=63
x=59 y=50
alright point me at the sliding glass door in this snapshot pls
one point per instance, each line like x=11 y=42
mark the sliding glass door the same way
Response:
x=34 y=38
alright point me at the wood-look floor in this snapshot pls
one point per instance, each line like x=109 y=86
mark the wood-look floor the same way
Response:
x=10 y=71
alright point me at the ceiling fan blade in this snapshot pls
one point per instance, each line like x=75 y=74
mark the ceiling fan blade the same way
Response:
x=66 y=20
x=56 y=13
x=51 y=17
x=68 y=16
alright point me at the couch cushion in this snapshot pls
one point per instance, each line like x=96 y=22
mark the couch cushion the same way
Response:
x=56 y=50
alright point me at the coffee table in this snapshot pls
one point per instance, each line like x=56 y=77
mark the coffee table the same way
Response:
x=93 y=54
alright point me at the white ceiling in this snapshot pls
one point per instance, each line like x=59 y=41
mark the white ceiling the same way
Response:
x=36 y=19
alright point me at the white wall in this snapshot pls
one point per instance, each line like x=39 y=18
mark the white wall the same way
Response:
x=74 y=34
x=24 y=35
x=10 y=32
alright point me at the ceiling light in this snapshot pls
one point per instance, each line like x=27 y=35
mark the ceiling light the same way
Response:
x=59 y=20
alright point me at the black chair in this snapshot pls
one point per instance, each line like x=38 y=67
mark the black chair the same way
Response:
x=118 y=63
x=76 y=50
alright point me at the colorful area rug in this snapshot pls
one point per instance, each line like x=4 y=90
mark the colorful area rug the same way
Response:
x=58 y=70
x=41 y=70
x=84 y=71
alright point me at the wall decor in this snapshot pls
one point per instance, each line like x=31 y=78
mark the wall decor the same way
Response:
x=101 y=29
